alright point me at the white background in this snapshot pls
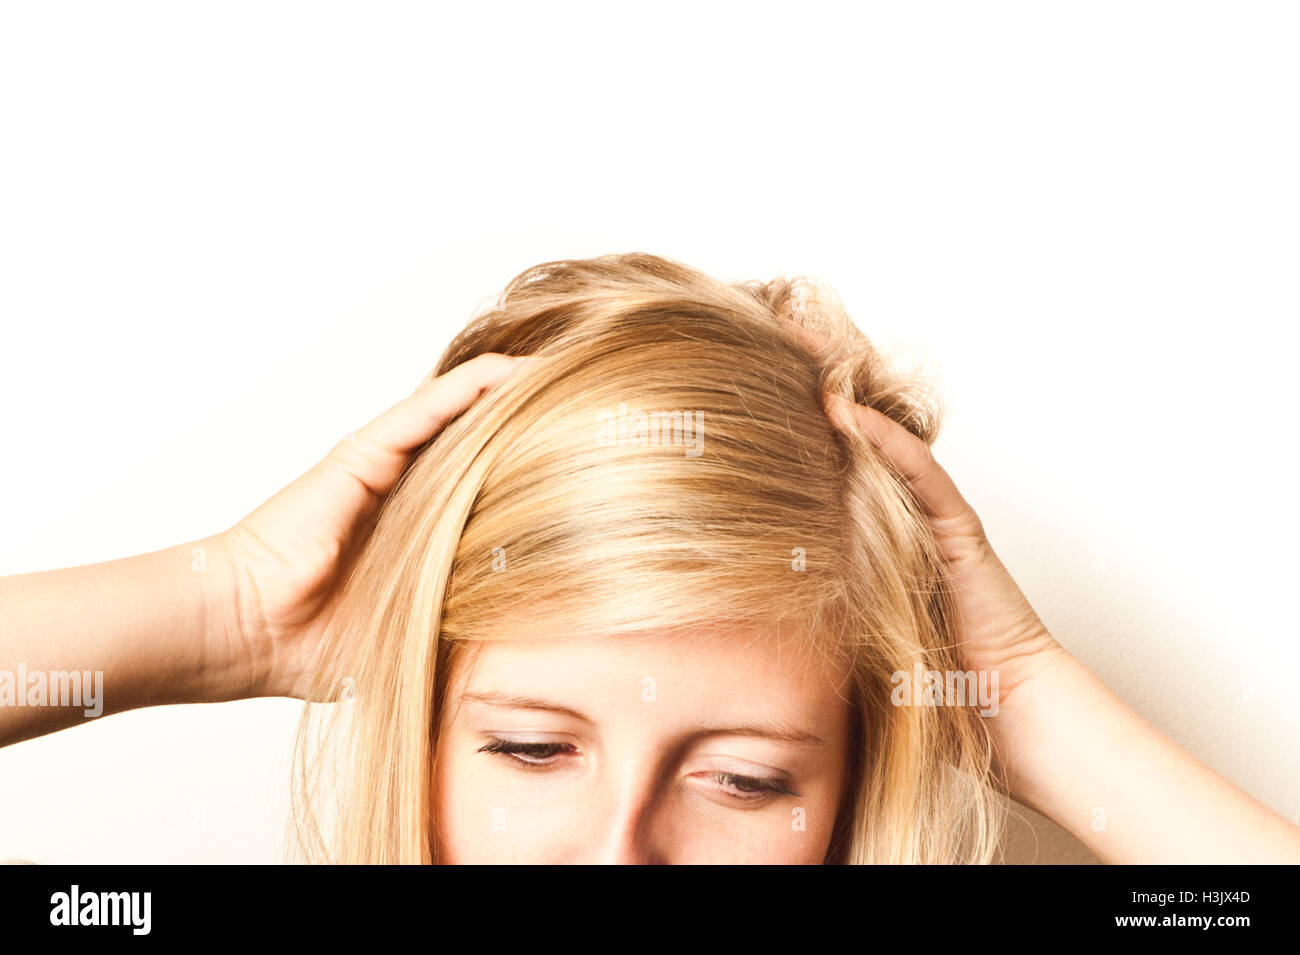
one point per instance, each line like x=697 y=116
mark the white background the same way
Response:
x=230 y=233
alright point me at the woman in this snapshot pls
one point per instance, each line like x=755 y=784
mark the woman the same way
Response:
x=679 y=580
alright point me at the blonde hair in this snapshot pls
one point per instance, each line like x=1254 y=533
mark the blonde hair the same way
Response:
x=781 y=522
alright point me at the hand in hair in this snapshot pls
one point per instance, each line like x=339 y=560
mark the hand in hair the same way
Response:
x=1068 y=746
x=292 y=553
x=998 y=629
x=238 y=614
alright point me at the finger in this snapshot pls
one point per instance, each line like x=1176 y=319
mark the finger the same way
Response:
x=377 y=453
x=417 y=418
x=910 y=455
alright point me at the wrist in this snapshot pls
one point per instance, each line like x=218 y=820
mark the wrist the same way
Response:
x=236 y=662
x=1029 y=713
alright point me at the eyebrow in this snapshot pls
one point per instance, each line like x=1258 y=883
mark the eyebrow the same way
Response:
x=766 y=730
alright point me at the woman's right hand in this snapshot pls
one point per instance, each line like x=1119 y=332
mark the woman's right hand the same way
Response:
x=285 y=561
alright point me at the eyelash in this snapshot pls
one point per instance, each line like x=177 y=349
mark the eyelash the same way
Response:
x=529 y=754
x=533 y=756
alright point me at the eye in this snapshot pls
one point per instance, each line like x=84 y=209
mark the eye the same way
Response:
x=749 y=788
x=528 y=753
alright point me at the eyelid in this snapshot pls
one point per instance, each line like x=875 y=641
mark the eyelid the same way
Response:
x=778 y=785
x=718 y=762
x=726 y=786
x=528 y=736
x=775 y=782
x=514 y=750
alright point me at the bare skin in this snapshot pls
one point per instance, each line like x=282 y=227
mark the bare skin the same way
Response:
x=240 y=614
x=674 y=749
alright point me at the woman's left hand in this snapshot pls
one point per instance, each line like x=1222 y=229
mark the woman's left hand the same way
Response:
x=999 y=632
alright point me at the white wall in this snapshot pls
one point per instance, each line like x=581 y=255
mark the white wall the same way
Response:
x=231 y=234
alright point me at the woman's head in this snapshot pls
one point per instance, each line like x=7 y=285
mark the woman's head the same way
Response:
x=643 y=601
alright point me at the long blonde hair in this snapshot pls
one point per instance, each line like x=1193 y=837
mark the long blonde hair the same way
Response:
x=779 y=520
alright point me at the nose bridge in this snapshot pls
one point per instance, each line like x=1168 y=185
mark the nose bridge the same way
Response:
x=624 y=824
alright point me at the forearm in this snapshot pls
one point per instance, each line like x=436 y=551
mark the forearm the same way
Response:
x=150 y=629
x=1082 y=757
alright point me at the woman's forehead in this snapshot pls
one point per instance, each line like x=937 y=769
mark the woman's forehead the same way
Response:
x=708 y=670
